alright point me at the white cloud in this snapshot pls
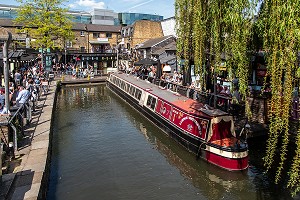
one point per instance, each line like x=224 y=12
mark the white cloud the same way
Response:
x=72 y=5
x=88 y=3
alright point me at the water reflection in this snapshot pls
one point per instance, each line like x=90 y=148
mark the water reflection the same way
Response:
x=104 y=149
x=212 y=181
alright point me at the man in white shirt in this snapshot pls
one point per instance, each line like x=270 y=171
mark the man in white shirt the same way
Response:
x=22 y=96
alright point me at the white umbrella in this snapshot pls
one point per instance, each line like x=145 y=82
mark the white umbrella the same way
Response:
x=167 y=68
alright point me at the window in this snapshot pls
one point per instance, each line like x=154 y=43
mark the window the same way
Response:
x=109 y=35
x=81 y=33
x=151 y=101
x=138 y=94
x=96 y=35
x=68 y=44
x=127 y=87
x=82 y=49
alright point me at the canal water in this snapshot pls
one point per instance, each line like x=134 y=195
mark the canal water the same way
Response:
x=104 y=149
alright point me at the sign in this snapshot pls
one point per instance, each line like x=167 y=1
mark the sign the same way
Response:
x=102 y=39
x=190 y=124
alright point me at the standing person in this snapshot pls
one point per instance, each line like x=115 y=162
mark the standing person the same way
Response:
x=3 y=110
x=17 y=77
x=22 y=96
x=2 y=97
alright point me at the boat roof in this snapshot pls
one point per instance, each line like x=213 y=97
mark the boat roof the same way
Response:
x=182 y=102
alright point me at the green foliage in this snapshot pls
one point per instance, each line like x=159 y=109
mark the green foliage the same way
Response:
x=206 y=29
x=279 y=22
x=46 y=22
x=214 y=27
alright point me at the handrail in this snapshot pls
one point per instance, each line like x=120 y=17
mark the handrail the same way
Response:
x=18 y=110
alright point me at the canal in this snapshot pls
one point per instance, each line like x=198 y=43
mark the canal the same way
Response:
x=104 y=149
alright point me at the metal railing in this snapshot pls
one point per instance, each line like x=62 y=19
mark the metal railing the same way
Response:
x=223 y=102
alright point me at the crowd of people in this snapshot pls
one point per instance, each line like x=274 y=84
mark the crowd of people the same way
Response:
x=228 y=96
x=73 y=69
x=26 y=83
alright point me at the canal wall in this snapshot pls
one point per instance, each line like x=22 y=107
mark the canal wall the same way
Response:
x=29 y=179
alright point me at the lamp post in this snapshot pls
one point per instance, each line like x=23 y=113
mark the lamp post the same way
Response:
x=5 y=37
x=117 y=59
x=65 y=56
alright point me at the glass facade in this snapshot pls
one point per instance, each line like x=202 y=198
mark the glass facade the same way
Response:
x=130 y=18
x=7 y=13
x=85 y=19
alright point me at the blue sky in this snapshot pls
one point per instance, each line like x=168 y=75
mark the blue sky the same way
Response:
x=159 y=7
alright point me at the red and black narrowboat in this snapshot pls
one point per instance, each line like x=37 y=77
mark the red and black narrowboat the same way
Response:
x=208 y=133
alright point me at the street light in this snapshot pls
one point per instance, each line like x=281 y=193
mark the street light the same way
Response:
x=5 y=37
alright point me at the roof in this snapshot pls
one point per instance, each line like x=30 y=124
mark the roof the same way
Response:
x=76 y=26
x=12 y=54
x=169 y=47
x=152 y=42
x=22 y=55
x=166 y=59
x=8 y=23
x=97 y=27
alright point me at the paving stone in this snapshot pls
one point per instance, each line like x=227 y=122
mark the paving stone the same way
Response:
x=27 y=191
x=29 y=178
x=37 y=167
x=40 y=144
x=41 y=158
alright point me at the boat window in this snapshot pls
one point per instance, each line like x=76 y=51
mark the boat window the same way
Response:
x=138 y=94
x=132 y=91
x=126 y=87
x=151 y=101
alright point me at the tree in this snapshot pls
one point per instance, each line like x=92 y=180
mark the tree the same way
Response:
x=219 y=26
x=45 y=21
x=206 y=29
x=279 y=26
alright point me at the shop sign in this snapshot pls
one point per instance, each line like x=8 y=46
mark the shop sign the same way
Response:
x=102 y=39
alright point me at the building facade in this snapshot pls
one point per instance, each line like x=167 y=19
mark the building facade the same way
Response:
x=169 y=26
x=104 y=17
x=127 y=19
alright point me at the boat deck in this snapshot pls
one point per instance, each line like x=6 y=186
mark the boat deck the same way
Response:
x=183 y=102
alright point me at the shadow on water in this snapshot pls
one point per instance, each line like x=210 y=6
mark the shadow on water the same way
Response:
x=209 y=181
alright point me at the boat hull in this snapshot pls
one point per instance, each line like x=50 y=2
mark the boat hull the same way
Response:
x=227 y=158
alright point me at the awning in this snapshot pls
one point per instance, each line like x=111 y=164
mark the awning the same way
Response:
x=99 y=42
x=146 y=61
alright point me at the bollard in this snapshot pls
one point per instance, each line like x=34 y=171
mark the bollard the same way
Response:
x=62 y=78
x=88 y=77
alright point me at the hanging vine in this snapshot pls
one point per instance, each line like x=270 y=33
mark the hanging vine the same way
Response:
x=218 y=26
x=199 y=39
x=281 y=38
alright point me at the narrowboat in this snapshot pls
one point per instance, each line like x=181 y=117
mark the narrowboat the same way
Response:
x=208 y=133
